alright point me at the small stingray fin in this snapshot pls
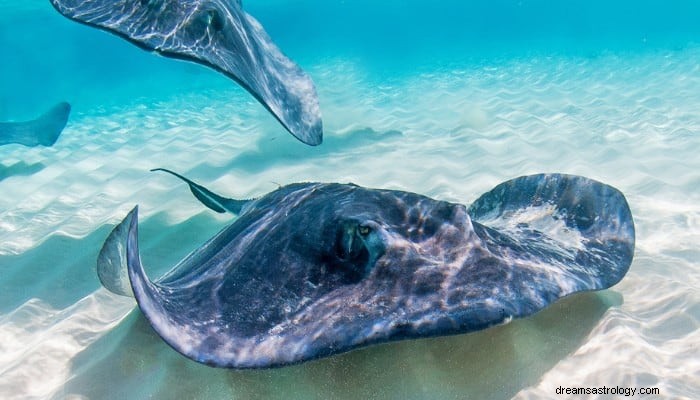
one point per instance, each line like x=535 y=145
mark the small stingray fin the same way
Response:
x=112 y=262
x=210 y=199
x=43 y=130
x=50 y=125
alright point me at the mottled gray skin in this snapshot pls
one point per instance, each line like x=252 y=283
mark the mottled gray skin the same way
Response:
x=220 y=35
x=43 y=131
x=315 y=269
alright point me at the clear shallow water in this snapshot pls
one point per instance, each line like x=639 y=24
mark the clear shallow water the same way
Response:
x=450 y=127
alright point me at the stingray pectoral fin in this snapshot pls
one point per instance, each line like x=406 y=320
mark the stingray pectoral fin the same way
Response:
x=43 y=131
x=169 y=312
x=210 y=199
x=570 y=231
x=112 y=266
x=220 y=35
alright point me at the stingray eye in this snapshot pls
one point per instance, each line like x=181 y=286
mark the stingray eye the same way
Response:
x=206 y=21
x=214 y=20
x=363 y=230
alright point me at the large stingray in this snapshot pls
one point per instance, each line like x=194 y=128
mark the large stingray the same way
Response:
x=43 y=131
x=220 y=35
x=314 y=269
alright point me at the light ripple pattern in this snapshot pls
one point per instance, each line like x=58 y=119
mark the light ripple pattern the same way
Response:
x=630 y=120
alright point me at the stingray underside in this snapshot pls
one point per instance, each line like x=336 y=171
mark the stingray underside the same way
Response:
x=217 y=34
x=315 y=269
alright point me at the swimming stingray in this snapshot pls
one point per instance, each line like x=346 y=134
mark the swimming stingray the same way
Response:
x=314 y=269
x=42 y=131
x=220 y=35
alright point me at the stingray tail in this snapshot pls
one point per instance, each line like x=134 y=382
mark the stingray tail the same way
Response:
x=210 y=199
x=118 y=252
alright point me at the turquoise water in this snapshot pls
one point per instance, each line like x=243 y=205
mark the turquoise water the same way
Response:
x=445 y=100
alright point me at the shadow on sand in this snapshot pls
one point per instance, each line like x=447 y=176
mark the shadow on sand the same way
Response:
x=133 y=362
x=285 y=150
x=20 y=169
x=61 y=269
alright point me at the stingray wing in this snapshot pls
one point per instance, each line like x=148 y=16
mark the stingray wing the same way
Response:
x=551 y=235
x=180 y=317
x=43 y=131
x=220 y=35
x=201 y=308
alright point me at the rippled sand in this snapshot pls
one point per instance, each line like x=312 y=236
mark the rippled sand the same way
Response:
x=631 y=121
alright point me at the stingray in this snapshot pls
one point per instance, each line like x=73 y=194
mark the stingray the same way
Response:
x=43 y=131
x=315 y=269
x=217 y=34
